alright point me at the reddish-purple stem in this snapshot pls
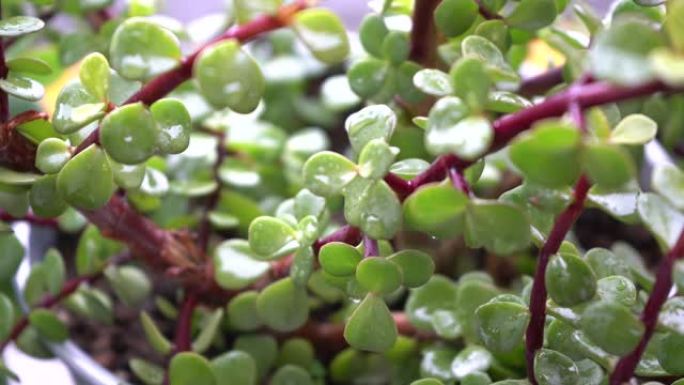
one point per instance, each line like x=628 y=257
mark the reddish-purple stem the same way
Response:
x=486 y=12
x=458 y=181
x=4 y=99
x=370 y=247
x=183 y=338
x=30 y=218
x=346 y=234
x=624 y=369
x=539 y=84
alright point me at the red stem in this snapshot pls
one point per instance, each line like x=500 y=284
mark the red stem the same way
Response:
x=458 y=181
x=163 y=84
x=624 y=369
x=423 y=32
x=539 y=84
x=69 y=288
x=30 y=218
x=486 y=12
x=370 y=247
x=183 y=339
x=347 y=234
x=4 y=99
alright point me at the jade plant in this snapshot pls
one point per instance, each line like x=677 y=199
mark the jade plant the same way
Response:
x=279 y=200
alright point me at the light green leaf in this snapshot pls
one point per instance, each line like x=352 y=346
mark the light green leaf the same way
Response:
x=436 y=209
x=634 y=129
x=86 y=181
x=22 y=87
x=129 y=134
x=554 y=368
x=327 y=173
x=188 y=368
x=450 y=131
x=20 y=25
x=235 y=265
x=174 y=125
x=663 y=220
x=75 y=108
x=372 y=122
x=154 y=336
x=48 y=325
x=371 y=326
x=499 y=227
x=323 y=33
x=94 y=75
x=433 y=82
x=283 y=305
x=471 y=359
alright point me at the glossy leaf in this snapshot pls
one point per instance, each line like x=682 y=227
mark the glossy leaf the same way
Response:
x=262 y=347
x=339 y=259
x=617 y=289
x=45 y=198
x=234 y=368
x=416 y=267
x=548 y=155
x=376 y=158
x=149 y=373
x=569 y=280
x=372 y=33
x=367 y=76
x=554 y=368
x=283 y=306
x=326 y=173
x=129 y=134
x=323 y=33
x=371 y=326
x=130 y=284
x=668 y=181
x=502 y=325
x=20 y=25
x=188 y=368
x=471 y=359
x=451 y=131
x=229 y=77
x=246 y=10
x=378 y=275
x=532 y=14
x=22 y=87
x=612 y=326
x=374 y=208
x=75 y=109
x=499 y=227
x=94 y=75
x=235 y=265
x=453 y=17
x=661 y=218
x=372 y=122
x=86 y=181
x=291 y=374
x=154 y=336
x=52 y=155
x=634 y=129
x=271 y=238
x=242 y=313
x=29 y=65
x=174 y=124
x=433 y=81
x=141 y=49
x=608 y=166
x=471 y=82
x=436 y=209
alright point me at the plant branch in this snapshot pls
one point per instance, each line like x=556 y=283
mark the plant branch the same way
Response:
x=458 y=181
x=486 y=12
x=4 y=99
x=370 y=247
x=163 y=84
x=346 y=234
x=183 y=338
x=423 y=32
x=30 y=218
x=540 y=84
x=624 y=369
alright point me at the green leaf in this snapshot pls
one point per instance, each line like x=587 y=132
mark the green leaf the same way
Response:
x=471 y=359
x=374 y=208
x=549 y=155
x=605 y=263
x=234 y=368
x=634 y=129
x=147 y=372
x=607 y=165
x=436 y=362
x=409 y=168
x=75 y=109
x=263 y=349
x=297 y=351
x=283 y=306
x=94 y=75
x=6 y=316
x=291 y=374
x=229 y=77
x=471 y=82
x=242 y=313
x=502 y=325
x=620 y=53
x=454 y=17
x=52 y=155
x=48 y=325
x=617 y=289
x=378 y=275
x=371 y=326
x=54 y=271
x=12 y=252
x=372 y=33
x=395 y=47
x=367 y=76
x=271 y=238
x=472 y=293
x=130 y=284
x=129 y=134
x=498 y=227
x=451 y=131
x=569 y=280
x=86 y=181
x=37 y=130
x=22 y=87
x=674 y=24
x=668 y=66
x=45 y=199
x=154 y=336
x=376 y=158
x=668 y=181
x=489 y=54
x=29 y=65
x=661 y=218
x=188 y=368
x=554 y=368
x=174 y=125
x=246 y=10
x=339 y=259
x=209 y=332
x=416 y=267
x=433 y=82
x=506 y=102
x=141 y=49
x=20 y=25
x=323 y=33
x=532 y=14
x=236 y=266
x=128 y=176
x=327 y=173
x=372 y=122
x=612 y=326
x=439 y=293
x=427 y=381
x=672 y=315
x=671 y=354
